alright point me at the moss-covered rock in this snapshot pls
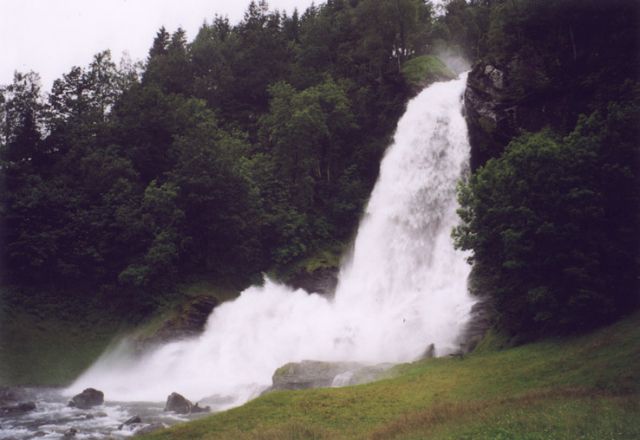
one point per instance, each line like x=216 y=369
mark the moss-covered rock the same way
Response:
x=318 y=374
x=317 y=273
x=183 y=321
x=421 y=71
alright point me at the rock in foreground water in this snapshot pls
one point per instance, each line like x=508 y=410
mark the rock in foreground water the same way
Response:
x=70 y=433
x=130 y=421
x=87 y=399
x=180 y=405
x=17 y=409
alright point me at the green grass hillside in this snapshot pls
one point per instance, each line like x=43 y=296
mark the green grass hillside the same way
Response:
x=46 y=340
x=585 y=387
x=426 y=69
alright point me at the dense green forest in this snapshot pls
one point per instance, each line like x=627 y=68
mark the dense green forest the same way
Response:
x=552 y=212
x=256 y=145
x=239 y=152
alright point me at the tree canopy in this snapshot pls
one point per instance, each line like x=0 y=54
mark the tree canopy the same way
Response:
x=553 y=224
x=236 y=153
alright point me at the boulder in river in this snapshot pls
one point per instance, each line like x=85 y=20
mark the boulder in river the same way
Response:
x=195 y=409
x=15 y=395
x=181 y=405
x=130 y=421
x=70 y=433
x=178 y=404
x=90 y=397
x=8 y=395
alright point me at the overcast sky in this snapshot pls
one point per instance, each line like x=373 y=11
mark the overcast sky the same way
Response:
x=51 y=36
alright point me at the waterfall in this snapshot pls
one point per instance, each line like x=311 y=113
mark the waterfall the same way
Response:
x=403 y=287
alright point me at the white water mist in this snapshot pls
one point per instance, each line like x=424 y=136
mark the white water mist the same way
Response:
x=403 y=288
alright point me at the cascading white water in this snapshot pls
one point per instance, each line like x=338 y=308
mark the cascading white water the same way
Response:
x=403 y=288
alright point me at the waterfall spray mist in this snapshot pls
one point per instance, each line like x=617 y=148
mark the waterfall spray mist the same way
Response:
x=402 y=289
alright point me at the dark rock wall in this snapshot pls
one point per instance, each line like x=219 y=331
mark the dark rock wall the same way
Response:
x=497 y=110
x=323 y=281
x=490 y=114
x=187 y=322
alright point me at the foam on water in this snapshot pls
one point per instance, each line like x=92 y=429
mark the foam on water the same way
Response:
x=52 y=418
x=403 y=288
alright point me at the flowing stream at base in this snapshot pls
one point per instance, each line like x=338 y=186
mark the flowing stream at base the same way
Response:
x=403 y=287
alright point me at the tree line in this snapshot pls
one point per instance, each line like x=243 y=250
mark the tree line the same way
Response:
x=239 y=152
x=256 y=144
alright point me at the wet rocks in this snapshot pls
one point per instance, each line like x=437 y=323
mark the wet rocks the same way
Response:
x=16 y=401
x=323 y=280
x=180 y=405
x=195 y=409
x=187 y=321
x=309 y=374
x=89 y=398
x=495 y=75
x=478 y=324
x=70 y=433
x=500 y=105
x=317 y=374
x=9 y=395
x=482 y=313
x=130 y=421
x=17 y=409
x=14 y=396
x=490 y=111
x=430 y=352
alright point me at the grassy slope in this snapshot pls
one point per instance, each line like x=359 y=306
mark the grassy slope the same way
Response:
x=48 y=351
x=46 y=341
x=426 y=69
x=578 y=388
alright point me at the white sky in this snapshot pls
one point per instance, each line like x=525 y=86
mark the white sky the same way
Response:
x=51 y=36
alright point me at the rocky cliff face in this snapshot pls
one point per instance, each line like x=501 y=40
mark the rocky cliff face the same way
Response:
x=490 y=114
x=323 y=280
x=500 y=104
x=498 y=108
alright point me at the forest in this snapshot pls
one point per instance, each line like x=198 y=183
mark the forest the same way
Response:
x=256 y=145
x=252 y=146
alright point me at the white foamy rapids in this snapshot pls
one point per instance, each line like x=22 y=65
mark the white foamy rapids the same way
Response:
x=403 y=288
